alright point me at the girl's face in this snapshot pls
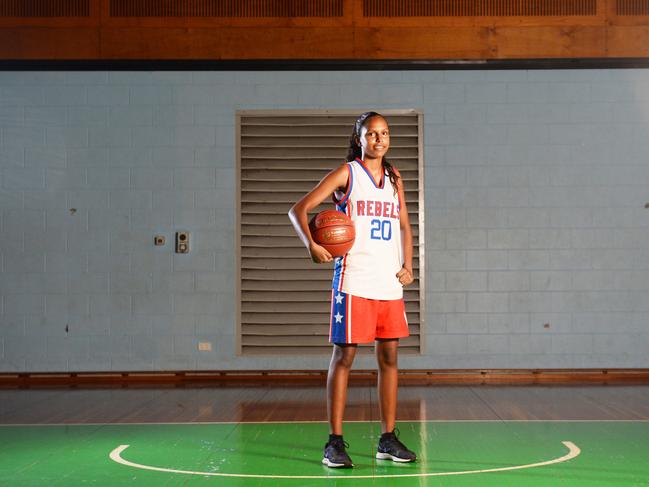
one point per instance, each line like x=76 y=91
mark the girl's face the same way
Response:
x=375 y=138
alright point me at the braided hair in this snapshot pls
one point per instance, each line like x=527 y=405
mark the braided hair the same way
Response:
x=355 y=150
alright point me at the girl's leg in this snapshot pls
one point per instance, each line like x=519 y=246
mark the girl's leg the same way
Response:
x=342 y=359
x=386 y=356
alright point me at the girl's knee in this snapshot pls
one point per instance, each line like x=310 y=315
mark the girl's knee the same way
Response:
x=388 y=361
x=343 y=356
x=387 y=357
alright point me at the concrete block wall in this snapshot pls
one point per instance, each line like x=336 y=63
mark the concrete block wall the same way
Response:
x=536 y=232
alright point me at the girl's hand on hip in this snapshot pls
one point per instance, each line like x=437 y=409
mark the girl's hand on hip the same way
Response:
x=405 y=276
x=319 y=254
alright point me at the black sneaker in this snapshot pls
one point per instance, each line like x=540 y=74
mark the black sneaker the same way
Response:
x=335 y=455
x=390 y=448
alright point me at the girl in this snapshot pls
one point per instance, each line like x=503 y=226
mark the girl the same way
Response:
x=367 y=295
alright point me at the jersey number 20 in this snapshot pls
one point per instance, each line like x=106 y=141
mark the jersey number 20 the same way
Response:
x=381 y=229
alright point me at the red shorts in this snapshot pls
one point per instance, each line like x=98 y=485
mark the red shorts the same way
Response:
x=361 y=320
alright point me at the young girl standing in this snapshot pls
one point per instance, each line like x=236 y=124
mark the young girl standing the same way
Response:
x=367 y=293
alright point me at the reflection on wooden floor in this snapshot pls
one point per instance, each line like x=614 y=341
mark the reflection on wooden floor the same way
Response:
x=243 y=404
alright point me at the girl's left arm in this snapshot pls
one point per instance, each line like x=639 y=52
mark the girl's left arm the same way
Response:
x=405 y=275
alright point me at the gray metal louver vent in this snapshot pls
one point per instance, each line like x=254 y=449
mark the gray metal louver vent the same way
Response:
x=284 y=297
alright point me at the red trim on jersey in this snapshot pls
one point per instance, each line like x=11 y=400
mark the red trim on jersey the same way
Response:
x=348 y=189
x=379 y=186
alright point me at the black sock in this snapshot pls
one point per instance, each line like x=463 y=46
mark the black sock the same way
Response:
x=335 y=437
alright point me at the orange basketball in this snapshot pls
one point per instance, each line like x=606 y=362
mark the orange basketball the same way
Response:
x=334 y=231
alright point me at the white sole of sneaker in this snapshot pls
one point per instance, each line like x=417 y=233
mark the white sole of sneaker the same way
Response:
x=387 y=456
x=328 y=463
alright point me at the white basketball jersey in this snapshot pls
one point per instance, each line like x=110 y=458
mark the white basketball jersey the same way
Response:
x=369 y=268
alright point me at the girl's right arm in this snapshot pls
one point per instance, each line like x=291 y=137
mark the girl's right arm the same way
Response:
x=336 y=179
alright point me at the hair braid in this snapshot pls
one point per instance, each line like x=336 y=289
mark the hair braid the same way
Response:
x=391 y=174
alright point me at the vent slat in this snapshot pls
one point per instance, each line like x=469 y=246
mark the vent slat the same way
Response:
x=306 y=153
x=280 y=185
x=316 y=142
x=282 y=230
x=306 y=341
x=314 y=170
x=298 y=330
x=322 y=272
x=299 y=296
x=320 y=350
x=291 y=131
x=347 y=121
x=287 y=241
x=301 y=173
x=252 y=219
x=263 y=208
x=281 y=318
x=285 y=264
x=323 y=307
x=258 y=196
x=305 y=285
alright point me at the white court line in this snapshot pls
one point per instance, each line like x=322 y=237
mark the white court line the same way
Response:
x=350 y=421
x=115 y=455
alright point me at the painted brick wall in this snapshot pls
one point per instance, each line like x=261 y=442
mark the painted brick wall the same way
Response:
x=536 y=232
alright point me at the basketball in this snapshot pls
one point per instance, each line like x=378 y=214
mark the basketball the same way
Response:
x=334 y=231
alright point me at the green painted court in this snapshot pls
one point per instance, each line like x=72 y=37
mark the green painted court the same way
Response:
x=451 y=453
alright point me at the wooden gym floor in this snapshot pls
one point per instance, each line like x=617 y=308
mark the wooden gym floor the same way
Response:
x=262 y=436
x=295 y=403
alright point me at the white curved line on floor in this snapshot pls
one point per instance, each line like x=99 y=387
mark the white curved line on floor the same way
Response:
x=573 y=451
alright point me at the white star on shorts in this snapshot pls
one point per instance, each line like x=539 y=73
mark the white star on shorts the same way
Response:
x=338 y=317
x=339 y=298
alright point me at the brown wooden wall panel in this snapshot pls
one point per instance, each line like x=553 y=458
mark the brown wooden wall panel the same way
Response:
x=631 y=41
x=483 y=43
x=600 y=19
x=549 y=42
x=225 y=43
x=422 y=43
x=323 y=29
x=49 y=43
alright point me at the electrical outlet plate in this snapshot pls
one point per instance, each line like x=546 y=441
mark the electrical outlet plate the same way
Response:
x=204 y=346
x=182 y=242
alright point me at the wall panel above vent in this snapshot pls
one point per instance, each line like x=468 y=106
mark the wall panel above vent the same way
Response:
x=44 y=8
x=226 y=8
x=632 y=7
x=479 y=8
x=319 y=30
